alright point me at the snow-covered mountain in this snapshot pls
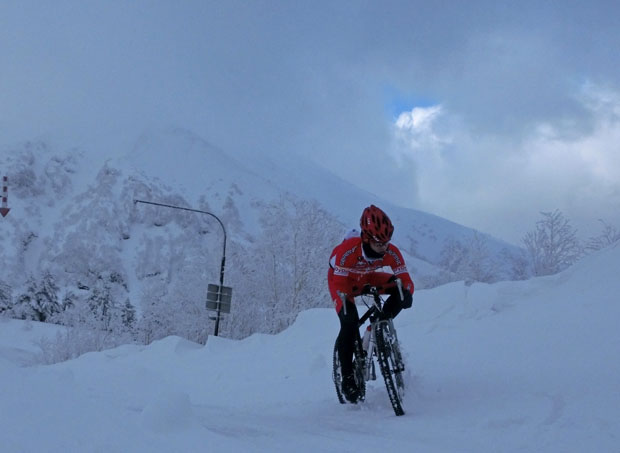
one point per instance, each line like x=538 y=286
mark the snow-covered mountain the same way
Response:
x=179 y=163
x=73 y=216
x=513 y=366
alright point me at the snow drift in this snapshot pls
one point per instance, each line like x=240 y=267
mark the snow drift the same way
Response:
x=519 y=366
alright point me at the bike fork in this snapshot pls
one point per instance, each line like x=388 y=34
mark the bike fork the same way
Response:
x=393 y=342
x=369 y=348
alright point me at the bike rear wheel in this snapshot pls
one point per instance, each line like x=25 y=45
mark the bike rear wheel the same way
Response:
x=391 y=364
x=358 y=371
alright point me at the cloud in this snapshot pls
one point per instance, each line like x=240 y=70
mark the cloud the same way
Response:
x=490 y=185
x=415 y=129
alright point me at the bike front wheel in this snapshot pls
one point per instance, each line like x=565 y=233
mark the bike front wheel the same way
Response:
x=391 y=364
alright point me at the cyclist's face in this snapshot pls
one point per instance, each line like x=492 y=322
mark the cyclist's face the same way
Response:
x=378 y=247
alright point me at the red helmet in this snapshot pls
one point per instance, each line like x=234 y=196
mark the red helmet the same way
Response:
x=376 y=225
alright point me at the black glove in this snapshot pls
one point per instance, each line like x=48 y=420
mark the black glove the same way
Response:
x=407 y=299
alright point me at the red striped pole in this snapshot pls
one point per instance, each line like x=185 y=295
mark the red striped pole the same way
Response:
x=5 y=190
x=5 y=196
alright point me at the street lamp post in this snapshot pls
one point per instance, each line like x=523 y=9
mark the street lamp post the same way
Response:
x=217 y=319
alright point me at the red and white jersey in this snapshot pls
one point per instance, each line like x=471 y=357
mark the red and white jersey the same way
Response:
x=350 y=269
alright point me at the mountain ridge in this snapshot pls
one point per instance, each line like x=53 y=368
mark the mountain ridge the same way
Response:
x=178 y=163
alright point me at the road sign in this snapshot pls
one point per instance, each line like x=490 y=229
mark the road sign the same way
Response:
x=219 y=296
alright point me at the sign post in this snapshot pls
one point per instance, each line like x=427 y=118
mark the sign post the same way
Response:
x=223 y=293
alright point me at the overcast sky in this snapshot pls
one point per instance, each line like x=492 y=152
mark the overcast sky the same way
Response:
x=485 y=113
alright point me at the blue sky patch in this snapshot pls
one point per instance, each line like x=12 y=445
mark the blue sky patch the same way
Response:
x=397 y=102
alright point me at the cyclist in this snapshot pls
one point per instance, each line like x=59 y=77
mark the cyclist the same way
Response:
x=354 y=265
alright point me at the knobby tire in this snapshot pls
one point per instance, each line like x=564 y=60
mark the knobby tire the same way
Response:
x=391 y=365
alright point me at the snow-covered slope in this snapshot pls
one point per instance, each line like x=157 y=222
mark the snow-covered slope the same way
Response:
x=518 y=366
x=186 y=164
x=54 y=190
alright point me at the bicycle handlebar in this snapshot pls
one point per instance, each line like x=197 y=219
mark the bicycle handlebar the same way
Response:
x=379 y=289
x=375 y=292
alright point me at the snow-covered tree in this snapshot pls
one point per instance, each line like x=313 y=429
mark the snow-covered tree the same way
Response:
x=480 y=265
x=230 y=213
x=470 y=261
x=102 y=304
x=39 y=300
x=154 y=320
x=609 y=235
x=518 y=264
x=174 y=272
x=453 y=256
x=553 y=245
x=152 y=325
x=47 y=303
x=84 y=333
x=284 y=270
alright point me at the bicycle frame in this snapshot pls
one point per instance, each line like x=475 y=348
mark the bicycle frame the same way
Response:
x=369 y=341
x=373 y=313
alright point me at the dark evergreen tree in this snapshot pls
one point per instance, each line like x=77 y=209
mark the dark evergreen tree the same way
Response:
x=128 y=315
x=25 y=304
x=46 y=298
x=6 y=297
x=100 y=302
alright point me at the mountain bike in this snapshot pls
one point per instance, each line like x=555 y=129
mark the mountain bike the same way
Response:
x=380 y=342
